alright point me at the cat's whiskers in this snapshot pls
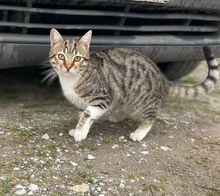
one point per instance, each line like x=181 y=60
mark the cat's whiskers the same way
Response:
x=50 y=76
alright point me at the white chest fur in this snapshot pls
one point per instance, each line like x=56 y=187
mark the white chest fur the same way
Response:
x=68 y=83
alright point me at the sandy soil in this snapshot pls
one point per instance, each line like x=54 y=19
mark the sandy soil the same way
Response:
x=180 y=156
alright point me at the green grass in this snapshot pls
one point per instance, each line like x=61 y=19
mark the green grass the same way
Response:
x=158 y=187
x=214 y=193
x=88 y=146
x=134 y=176
x=203 y=160
x=5 y=186
x=82 y=177
x=21 y=135
x=214 y=142
x=190 y=79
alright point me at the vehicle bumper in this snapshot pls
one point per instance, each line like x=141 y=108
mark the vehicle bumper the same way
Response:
x=25 y=50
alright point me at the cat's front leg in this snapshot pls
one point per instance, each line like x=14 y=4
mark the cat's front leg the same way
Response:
x=87 y=118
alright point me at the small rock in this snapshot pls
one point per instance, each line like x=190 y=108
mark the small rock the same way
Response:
x=33 y=187
x=128 y=155
x=93 y=188
x=94 y=180
x=18 y=186
x=63 y=158
x=45 y=136
x=122 y=185
x=90 y=157
x=61 y=134
x=101 y=184
x=98 y=188
x=3 y=177
x=56 y=178
x=121 y=137
x=73 y=163
x=144 y=145
x=165 y=148
x=81 y=188
x=115 y=146
x=144 y=152
x=16 y=169
x=30 y=193
x=44 y=189
x=21 y=192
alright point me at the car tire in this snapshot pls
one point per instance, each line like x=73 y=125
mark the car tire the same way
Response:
x=175 y=71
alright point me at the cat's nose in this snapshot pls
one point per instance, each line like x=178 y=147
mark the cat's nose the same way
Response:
x=68 y=64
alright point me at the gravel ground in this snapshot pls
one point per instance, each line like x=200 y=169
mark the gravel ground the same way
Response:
x=180 y=156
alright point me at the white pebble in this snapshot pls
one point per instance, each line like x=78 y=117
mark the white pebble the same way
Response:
x=99 y=189
x=30 y=193
x=115 y=146
x=81 y=188
x=45 y=136
x=122 y=185
x=33 y=187
x=73 y=163
x=101 y=184
x=18 y=186
x=16 y=169
x=144 y=152
x=165 y=148
x=90 y=157
x=144 y=145
x=21 y=192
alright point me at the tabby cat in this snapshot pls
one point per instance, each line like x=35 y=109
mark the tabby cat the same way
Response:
x=117 y=81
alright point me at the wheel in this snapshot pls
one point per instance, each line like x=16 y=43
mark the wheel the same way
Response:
x=176 y=70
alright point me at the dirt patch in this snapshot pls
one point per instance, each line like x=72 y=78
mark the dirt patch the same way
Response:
x=180 y=156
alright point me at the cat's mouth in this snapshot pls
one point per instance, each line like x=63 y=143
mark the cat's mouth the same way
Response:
x=67 y=72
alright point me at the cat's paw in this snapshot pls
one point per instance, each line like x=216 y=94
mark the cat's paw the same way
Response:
x=78 y=134
x=137 y=136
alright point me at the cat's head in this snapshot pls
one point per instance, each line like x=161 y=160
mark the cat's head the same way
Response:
x=69 y=56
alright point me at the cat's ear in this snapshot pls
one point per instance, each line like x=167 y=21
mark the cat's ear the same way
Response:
x=86 y=39
x=55 y=37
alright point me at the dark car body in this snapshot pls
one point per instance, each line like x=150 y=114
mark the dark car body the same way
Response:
x=169 y=32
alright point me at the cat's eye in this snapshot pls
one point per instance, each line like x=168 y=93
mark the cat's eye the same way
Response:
x=77 y=58
x=61 y=56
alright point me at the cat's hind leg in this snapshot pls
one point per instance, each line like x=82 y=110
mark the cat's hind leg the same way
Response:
x=142 y=130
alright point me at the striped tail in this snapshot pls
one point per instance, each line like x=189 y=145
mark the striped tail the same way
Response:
x=205 y=87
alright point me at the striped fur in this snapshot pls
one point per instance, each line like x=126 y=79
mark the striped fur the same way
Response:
x=119 y=82
x=205 y=87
